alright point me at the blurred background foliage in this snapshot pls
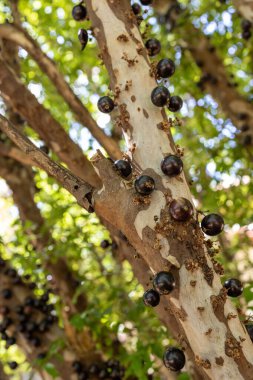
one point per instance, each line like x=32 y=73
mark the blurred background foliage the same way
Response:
x=219 y=166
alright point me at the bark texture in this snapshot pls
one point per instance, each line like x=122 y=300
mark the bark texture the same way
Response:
x=19 y=36
x=199 y=302
x=44 y=124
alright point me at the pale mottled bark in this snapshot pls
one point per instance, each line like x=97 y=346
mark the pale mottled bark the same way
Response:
x=20 y=37
x=163 y=242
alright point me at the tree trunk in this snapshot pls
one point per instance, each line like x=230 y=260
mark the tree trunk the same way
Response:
x=220 y=343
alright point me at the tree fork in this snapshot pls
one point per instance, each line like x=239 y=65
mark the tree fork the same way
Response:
x=199 y=300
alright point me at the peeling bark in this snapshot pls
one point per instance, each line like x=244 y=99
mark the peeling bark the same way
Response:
x=148 y=227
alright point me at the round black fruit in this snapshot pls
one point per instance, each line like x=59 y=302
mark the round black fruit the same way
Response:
x=105 y=244
x=79 y=12
x=123 y=167
x=165 y=68
x=144 y=185
x=151 y=298
x=105 y=104
x=136 y=8
x=174 y=359
x=246 y=34
x=164 y=282
x=13 y=365
x=83 y=37
x=246 y=24
x=153 y=47
x=234 y=287
x=160 y=96
x=7 y=294
x=249 y=329
x=146 y=2
x=181 y=209
x=212 y=224
x=175 y=104
x=172 y=165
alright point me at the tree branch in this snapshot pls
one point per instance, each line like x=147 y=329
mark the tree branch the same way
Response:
x=16 y=154
x=45 y=125
x=165 y=244
x=74 y=185
x=245 y=8
x=20 y=37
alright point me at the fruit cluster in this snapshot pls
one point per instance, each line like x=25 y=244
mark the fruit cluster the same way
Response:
x=32 y=317
x=180 y=209
x=110 y=369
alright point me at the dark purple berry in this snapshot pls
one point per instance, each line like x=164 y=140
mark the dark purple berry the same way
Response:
x=13 y=365
x=246 y=24
x=29 y=301
x=181 y=209
x=151 y=298
x=6 y=294
x=136 y=8
x=164 y=282
x=41 y=356
x=234 y=287
x=165 y=68
x=172 y=165
x=123 y=167
x=246 y=34
x=83 y=376
x=146 y=2
x=105 y=244
x=105 y=104
x=94 y=369
x=153 y=47
x=31 y=326
x=11 y=272
x=247 y=140
x=249 y=329
x=175 y=104
x=160 y=96
x=4 y=310
x=35 y=341
x=79 y=12
x=83 y=37
x=174 y=359
x=212 y=224
x=144 y=185
x=10 y=342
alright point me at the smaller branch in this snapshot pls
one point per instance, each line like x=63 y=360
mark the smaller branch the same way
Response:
x=73 y=184
x=19 y=36
x=16 y=154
